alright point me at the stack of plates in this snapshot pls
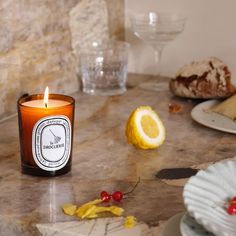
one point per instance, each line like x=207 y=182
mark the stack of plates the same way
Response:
x=205 y=195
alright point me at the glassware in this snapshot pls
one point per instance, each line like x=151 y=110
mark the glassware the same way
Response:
x=103 y=67
x=157 y=29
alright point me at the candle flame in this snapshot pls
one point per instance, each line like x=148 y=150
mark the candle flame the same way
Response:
x=45 y=98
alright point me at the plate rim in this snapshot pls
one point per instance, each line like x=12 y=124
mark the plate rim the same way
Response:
x=177 y=217
x=187 y=214
x=208 y=104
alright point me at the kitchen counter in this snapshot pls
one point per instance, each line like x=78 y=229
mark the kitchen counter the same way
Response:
x=102 y=160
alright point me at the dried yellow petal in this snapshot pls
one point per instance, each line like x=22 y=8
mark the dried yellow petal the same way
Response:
x=86 y=209
x=69 y=209
x=130 y=222
x=90 y=210
x=82 y=210
x=118 y=211
x=92 y=216
x=94 y=202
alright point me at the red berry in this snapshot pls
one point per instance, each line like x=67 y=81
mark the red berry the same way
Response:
x=105 y=196
x=233 y=201
x=117 y=196
x=231 y=209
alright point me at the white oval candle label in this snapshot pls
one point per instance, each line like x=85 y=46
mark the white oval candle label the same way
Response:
x=51 y=142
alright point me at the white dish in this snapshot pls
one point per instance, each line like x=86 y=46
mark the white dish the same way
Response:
x=172 y=226
x=189 y=227
x=206 y=193
x=212 y=119
x=183 y=224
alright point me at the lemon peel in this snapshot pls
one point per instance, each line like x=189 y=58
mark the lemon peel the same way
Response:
x=118 y=211
x=69 y=209
x=145 y=129
x=85 y=212
x=90 y=210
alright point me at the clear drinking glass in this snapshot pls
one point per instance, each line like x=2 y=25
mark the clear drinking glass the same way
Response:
x=157 y=29
x=103 y=67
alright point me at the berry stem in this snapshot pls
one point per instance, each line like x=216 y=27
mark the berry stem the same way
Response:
x=134 y=187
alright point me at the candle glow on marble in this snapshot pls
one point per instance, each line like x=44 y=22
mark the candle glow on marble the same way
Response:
x=46 y=133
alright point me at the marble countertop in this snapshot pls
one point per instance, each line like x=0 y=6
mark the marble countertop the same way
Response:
x=102 y=160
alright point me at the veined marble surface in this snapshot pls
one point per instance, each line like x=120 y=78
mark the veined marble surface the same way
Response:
x=36 y=40
x=103 y=226
x=102 y=160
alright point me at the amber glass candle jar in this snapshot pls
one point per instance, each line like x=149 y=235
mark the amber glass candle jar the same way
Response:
x=46 y=134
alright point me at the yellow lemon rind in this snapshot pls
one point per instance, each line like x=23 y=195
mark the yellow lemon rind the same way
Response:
x=135 y=134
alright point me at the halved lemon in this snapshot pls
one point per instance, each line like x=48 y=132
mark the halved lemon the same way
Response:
x=145 y=129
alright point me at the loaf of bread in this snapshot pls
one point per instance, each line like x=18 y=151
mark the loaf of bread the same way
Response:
x=205 y=79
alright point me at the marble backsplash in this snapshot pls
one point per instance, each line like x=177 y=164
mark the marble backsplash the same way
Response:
x=36 y=39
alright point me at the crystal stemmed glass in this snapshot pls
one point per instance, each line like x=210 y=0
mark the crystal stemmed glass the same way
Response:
x=157 y=29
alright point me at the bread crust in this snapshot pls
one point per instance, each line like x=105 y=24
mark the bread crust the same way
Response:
x=205 y=79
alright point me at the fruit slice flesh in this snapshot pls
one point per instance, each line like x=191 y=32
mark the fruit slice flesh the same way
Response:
x=145 y=129
x=149 y=126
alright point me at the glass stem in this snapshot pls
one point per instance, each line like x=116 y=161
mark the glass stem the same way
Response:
x=158 y=57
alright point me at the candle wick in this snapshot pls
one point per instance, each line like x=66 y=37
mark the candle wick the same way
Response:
x=46 y=105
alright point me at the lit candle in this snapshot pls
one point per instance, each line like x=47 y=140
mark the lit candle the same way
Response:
x=46 y=133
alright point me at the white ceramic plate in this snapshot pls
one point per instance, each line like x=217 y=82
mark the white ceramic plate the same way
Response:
x=212 y=119
x=172 y=226
x=205 y=194
x=189 y=227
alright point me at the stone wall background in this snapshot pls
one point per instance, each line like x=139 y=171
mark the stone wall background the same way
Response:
x=35 y=44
